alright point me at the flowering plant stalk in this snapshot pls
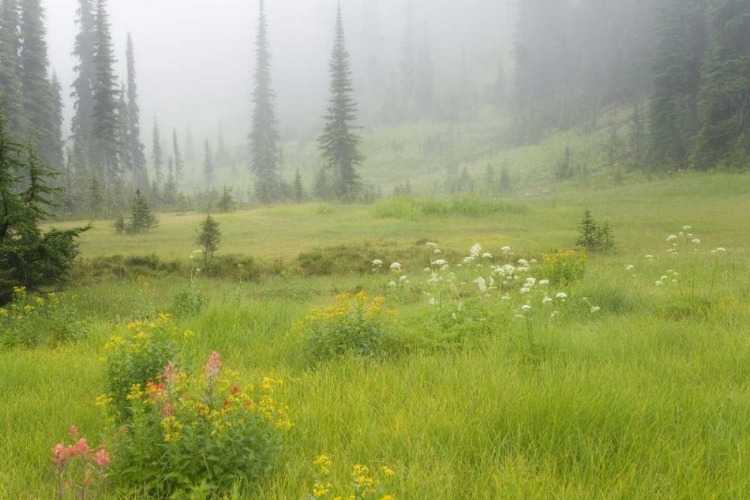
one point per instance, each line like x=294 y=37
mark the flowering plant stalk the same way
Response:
x=78 y=466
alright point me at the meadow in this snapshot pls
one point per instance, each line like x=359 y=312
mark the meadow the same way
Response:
x=628 y=381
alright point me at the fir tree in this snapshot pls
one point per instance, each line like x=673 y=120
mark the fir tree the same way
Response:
x=157 y=154
x=83 y=87
x=179 y=166
x=209 y=238
x=141 y=217
x=105 y=100
x=725 y=94
x=134 y=145
x=209 y=171
x=96 y=195
x=28 y=256
x=226 y=202
x=37 y=90
x=123 y=133
x=58 y=159
x=170 y=187
x=339 y=144
x=264 y=138
x=299 y=190
x=11 y=92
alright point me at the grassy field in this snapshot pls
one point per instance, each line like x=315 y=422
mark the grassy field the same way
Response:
x=645 y=397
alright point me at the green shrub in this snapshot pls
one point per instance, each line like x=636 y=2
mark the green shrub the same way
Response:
x=595 y=237
x=353 y=325
x=188 y=302
x=564 y=268
x=205 y=432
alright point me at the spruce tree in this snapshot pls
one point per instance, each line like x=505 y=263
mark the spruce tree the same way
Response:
x=299 y=190
x=141 y=217
x=264 y=138
x=83 y=87
x=179 y=174
x=226 y=202
x=209 y=238
x=123 y=134
x=339 y=144
x=37 y=89
x=170 y=187
x=134 y=145
x=11 y=92
x=725 y=93
x=157 y=155
x=104 y=125
x=209 y=171
x=58 y=159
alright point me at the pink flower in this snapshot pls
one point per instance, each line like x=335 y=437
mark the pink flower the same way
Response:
x=170 y=373
x=167 y=409
x=102 y=458
x=73 y=430
x=59 y=455
x=213 y=366
x=80 y=447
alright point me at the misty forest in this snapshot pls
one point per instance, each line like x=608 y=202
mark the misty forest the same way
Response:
x=374 y=249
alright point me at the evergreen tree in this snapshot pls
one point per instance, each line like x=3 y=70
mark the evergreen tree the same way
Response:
x=96 y=195
x=264 y=138
x=123 y=134
x=58 y=159
x=209 y=171
x=226 y=202
x=28 y=256
x=105 y=100
x=673 y=112
x=170 y=187
x=299 y=190
x=83 y=87
x=178 y=163
x=209 y=238
x=157 y=154
x=11 y=92
x=339 y=144
x=37 y=90
x=725 y=94
x=134 y=145
x=141 y=217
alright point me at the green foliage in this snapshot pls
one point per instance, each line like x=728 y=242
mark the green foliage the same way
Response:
x=226 y=202
x=594 y=236
x=209 y=238
x=352 y=326
x=29 y=257
x=141 y=218
x=188 y=302
x=204 y=432
x=564 y=268
x=137 y=358
x=33 y=321
x=339 y=144
x=461 y=205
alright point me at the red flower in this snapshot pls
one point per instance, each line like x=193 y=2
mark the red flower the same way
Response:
x=102 y=458
x=73 y=430
x=213 y=366
x=59 y=455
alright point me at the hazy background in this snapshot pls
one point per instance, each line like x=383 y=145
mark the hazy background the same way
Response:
x=194 y=57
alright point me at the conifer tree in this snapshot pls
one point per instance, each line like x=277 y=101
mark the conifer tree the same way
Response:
x=209 y=238
x=37 y=89
x=134 y=145
x=157 y=154
x=299 y=190
x=178 y=162
x=725 y=93
x=339 y=144
x=170 y=187
x=83 y=87
x=123 y=133
x=226 y=202
x=209 y=171
x=264 y=138
x=11 y=92
x=58 y=159
x=141 y=217
x=104 y=125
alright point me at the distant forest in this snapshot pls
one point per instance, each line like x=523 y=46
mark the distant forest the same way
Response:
x=678 y=70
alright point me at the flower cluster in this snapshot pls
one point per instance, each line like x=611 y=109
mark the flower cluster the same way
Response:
x=78 y=465
x=23 y=321
x=365 y=484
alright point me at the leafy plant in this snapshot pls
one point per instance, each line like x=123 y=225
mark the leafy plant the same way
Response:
x=189 y=302
x=31 y=321
x=78 y=466
x=565 y=268
x=353 y=325
x=364 y=484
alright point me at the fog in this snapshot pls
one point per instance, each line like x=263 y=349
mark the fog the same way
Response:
x=195 y=57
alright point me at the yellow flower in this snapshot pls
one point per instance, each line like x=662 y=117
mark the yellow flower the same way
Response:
x=3 y=313
x=103 y=400
x=320 y=490
x=135 y=393
x=388 y=471
x=323 y=463
x=388 y=497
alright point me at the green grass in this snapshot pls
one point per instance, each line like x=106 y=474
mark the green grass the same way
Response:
x=648 y=398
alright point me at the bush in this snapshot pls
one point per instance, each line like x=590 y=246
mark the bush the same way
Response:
x=32 y=321
x=595 y=237
x=565 y=267
x=189 y=302
x=186 y=433
x=353 y=325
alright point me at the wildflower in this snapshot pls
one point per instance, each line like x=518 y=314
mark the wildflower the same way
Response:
x=505 y=297
x=319 y=490
x=388 y=472
x=59 y=455
x=525 y=289
x=431 y=244
x=392 y=284
x=544 y=282
x=73 y=430
x=595 y=309
x=533 y=261
x=395 y=266
x=629 y=267
x=672 y=237
x=103 y=400
x=530 y=282
x=404 y=279
x=649 y=257
x=659 y=283
x=102 y=458
x=377 y=262
x=687 y=228
x=505 y=249
x=546 y=300
x=562 y=295
x=439 y=263
x=213 y=366
x=482 y=284
x=721 y=250
x=475 y=250
x=438 y=251
x=323 y=463
x=697 y=241
x=526 y=307
x=486 y=256
x=523 y=262
x=432 y=301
